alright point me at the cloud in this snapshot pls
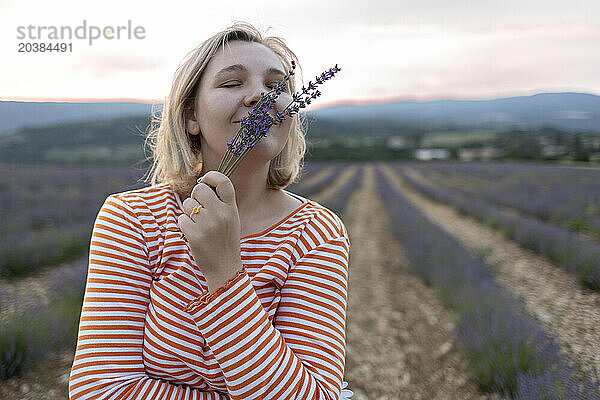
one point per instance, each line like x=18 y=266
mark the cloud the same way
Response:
x=103 y=65
x=385 y=47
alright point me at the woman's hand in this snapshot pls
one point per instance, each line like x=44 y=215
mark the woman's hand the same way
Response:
x=211 y=224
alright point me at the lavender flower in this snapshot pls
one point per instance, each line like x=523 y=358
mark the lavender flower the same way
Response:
x=257 y=123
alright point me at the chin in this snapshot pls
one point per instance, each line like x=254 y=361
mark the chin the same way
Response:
x=261 y=154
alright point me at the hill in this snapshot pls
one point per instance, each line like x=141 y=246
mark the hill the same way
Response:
x=15 y=115
x=573 y=112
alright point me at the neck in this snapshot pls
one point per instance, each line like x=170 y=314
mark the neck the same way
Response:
x=251 y=192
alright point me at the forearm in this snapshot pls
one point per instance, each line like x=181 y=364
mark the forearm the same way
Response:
x=94 y=386
x=109 y=360
x=255 y=359
x=220 y=278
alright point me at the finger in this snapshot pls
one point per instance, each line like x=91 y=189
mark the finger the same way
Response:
x=195 y=211
x=223 y=185
x=185 y=223
x=204 y=195
x=191 y=206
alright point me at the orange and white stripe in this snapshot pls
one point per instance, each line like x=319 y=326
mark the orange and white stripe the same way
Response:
x=149 y=328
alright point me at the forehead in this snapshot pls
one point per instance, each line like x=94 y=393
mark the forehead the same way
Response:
x=250 y=54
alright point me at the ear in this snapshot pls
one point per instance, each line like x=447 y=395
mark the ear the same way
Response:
x=191 y=123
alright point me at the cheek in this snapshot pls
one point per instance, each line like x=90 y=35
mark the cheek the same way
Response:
x=285 y=129
x=209 y=110
x=214 y=118
x=282 y=101
x=281 y=135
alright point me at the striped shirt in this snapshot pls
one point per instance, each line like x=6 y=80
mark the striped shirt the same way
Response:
x=150 y=329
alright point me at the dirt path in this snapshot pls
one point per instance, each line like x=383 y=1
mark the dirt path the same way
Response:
x=548 y=293
x=398 y=334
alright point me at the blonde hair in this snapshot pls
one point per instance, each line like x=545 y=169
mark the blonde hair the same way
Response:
x=176 y=156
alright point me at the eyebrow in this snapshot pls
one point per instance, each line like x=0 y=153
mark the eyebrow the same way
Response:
x=240 y=67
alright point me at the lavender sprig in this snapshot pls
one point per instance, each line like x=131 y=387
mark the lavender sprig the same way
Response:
x=257 y=123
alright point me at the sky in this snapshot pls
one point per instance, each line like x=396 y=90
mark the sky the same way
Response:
x=388 y=50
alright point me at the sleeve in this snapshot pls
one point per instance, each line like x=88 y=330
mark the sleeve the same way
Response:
x=108 y=358
x=300 y=355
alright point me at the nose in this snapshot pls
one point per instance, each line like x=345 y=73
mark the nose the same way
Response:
x=253 y=95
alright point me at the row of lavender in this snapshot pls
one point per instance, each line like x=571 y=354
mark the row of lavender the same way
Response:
x=339 y=201
x=47 y=213
x=40 y=330
x=507 y=351
x=309 y=189
x=562 y=195
x=579 y=256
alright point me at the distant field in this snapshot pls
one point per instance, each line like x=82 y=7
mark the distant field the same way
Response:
x=451 y=139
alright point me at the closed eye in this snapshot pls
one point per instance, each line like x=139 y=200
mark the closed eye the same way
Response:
x=270 y=85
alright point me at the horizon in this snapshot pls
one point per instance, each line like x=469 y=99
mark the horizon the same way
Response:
x=341 y=102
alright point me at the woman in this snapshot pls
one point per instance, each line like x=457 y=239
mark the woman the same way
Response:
x=251 y=302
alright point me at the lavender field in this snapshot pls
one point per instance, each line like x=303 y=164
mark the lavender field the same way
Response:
x=565 y=196
x=506 y=350
x=47 y=213
x=579 y=254
x=467 y=280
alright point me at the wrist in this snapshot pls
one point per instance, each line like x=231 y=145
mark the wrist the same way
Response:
x=221 y=278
